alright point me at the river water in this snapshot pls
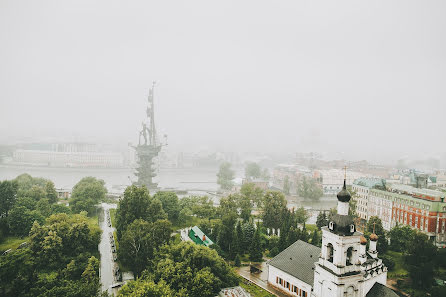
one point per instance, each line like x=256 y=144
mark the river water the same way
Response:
x=195 y=180
x=182 y=179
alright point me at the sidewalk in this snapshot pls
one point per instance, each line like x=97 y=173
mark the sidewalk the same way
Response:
x=260 y=279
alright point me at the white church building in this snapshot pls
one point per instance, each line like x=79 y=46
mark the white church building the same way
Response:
x=342 y=267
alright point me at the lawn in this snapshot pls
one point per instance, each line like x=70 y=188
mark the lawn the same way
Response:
x=399 y=271
x=11 y=242
x=191 y=221
x=311 y=227
x=253 y=289
x=113 y=217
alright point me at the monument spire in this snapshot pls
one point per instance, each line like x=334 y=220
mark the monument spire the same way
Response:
x=150 y=148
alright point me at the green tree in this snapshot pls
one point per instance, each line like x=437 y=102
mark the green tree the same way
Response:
x=192 y=270
x=274 y=207
x=160 y=232
x=36 y=192
x=237 y=261
x=137 y=204
x=248 y=231
x=401 y=237
x=88 y=192
x=374 y=223
x=253 y=193
x=255 y=250
x=136 y=246
x=225 y=176
x=252 y=170
x=144 y=288
x=20 y=220
x=301 y=215
x=308 y=188
x=421 y=261
x=321 y=220
x=51 y=193
x=8 y=195
x=170 y=204
x=316 y=239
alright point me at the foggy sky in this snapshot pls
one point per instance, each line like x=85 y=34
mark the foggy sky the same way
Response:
x=362 y=77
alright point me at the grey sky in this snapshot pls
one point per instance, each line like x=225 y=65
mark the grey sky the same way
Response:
x=362 y=77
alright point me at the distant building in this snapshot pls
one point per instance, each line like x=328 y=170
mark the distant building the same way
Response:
x=63 y=194
x=361 y=187
x=197 y=236
x=421 y=209
x=68 y=158
x=258 y=183
x=333 y=179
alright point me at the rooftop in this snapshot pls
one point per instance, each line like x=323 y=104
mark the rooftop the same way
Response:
x=197 y=236
x=298 y=260
x=368 y=182
x=379 y=290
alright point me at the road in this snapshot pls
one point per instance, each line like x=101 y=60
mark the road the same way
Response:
x=107 y=262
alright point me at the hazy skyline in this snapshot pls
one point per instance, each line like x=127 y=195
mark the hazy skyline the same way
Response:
x=364 y=78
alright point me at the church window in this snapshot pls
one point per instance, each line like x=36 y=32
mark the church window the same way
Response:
x=330 y=252
x=352 y=228
x=350 y=291
x=350 y=256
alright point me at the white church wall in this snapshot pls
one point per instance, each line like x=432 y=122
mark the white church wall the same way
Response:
x=368 y=284
x=274 y=273
x=327 y=284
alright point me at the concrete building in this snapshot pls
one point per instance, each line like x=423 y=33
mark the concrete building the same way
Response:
x=68 y=159
x=421 y=209
x=342 y=267
x=333 y=179
x=362 y=187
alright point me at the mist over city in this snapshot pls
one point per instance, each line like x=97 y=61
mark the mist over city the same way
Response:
x=252 y=134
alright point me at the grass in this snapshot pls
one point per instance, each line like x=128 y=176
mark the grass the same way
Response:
x=11 y=242
x=191 y=221
x=253 y=289
x=399 y=271
x=113 y=217
x=311 y=227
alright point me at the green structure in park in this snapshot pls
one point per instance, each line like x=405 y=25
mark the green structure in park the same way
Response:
x=197 y=236
x=149 y=148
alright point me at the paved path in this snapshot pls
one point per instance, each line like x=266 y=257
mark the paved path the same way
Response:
x=260 y=279
x=107 y=263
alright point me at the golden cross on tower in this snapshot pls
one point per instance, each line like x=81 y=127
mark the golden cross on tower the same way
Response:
x=374 y=227
x=345 y=172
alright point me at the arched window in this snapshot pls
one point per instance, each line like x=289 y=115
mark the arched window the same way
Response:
x=349 y=256
x=350 y=292
x=330 y=252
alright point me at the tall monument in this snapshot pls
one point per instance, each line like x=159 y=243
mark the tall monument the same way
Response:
x=148 y=148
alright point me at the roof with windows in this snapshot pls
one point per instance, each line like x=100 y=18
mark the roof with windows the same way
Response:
x=379 y=290
x=298 y=260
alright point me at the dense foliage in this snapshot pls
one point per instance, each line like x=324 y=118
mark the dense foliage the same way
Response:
x=308 y=188
x=24 y=200
x=184 y=269
x=60 y=260
x=88 y=192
